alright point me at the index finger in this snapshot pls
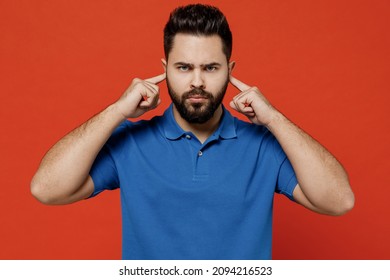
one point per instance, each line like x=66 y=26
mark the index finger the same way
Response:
x=238 y=84
x=156 y=79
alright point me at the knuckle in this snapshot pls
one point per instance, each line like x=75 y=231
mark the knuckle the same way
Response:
x=139 y=86
x=136 y=80
x=256 y=90
x=238 y=106
x=155 y=88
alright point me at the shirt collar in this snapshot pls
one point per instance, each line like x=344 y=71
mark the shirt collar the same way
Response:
x=226 y=129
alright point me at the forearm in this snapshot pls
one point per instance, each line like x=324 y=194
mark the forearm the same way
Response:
x=63 y=176
x=321 y=177
x=323 y=184
x=66 y=165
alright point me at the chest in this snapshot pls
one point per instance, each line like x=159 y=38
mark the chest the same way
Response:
x=220 y=173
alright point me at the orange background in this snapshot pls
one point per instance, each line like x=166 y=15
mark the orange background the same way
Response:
x=324 y=64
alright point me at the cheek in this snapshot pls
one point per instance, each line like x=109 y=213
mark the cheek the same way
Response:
x=216 y=82
x=176 y=81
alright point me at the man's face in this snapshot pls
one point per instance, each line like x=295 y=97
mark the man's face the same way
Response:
x=197 y=76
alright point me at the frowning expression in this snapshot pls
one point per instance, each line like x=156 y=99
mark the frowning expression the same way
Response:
x=197 y=76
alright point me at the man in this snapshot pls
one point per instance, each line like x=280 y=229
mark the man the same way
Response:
x=195 y=183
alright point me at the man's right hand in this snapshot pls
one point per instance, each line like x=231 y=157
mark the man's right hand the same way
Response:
x=63 y=175
x=140 y=97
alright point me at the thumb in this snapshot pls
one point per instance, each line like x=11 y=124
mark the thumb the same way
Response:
x=233 y=105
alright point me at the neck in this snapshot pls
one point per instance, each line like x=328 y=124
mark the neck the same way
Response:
x=202 y=131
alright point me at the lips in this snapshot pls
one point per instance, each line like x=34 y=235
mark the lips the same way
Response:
x=197 y=97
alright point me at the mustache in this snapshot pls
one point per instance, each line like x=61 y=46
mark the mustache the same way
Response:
x=197 y=92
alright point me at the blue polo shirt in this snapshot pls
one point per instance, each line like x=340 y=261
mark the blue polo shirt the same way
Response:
x=182 y=199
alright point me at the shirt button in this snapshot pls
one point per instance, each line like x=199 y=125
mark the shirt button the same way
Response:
x=200 y=153
x=188 y=136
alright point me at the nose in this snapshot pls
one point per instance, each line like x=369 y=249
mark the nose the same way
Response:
x=197 y=79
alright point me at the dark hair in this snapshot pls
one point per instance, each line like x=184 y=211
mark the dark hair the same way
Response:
x=198 y=19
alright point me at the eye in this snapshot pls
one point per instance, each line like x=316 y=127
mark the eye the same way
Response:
x=183 y=68
x=211 y=68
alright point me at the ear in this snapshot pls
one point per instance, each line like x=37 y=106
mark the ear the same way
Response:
x=231 y=66
x=164 y=64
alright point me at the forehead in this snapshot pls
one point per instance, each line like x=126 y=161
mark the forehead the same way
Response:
x=197 y=49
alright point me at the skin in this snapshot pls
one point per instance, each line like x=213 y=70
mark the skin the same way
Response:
x=197 y=62
x=63 y=175
x=194 y=62
x=323 y=184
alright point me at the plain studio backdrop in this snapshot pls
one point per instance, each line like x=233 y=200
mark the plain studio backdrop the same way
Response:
x=324 y=64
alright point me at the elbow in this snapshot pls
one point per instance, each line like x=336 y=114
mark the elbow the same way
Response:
x=39 y=192
x=346 y=204
x=349 y=203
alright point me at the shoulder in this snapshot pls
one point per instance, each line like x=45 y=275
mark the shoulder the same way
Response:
x=260 y=137
x=137 y=126
x=134 y=129
x=246 y=129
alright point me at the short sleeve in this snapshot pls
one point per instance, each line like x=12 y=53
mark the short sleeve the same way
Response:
x=287 y=180
x=103 y=172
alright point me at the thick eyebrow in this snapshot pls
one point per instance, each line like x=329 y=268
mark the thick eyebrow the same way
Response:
x=183 y=64
x=212 y=64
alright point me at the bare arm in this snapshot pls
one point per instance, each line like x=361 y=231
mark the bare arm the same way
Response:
x=63 y=175
x=323 y=184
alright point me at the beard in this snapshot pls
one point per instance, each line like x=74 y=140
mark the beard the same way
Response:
x=197 y=112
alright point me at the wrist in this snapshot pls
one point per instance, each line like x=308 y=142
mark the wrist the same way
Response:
x=275 y=121
x=115 y=110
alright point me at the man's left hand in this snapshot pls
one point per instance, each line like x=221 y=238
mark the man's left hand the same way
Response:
x=252 y=103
